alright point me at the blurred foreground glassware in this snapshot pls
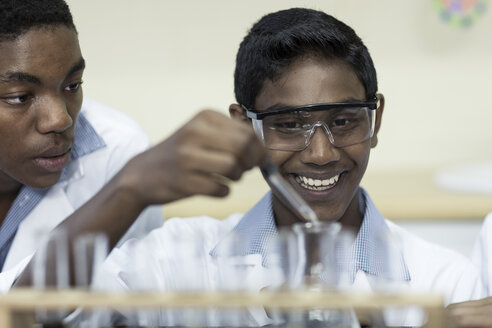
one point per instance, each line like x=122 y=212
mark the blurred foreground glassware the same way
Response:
x=389 y=254
x=90 y=251
x=186 y=271
x=179 y=265
x=51 y=272
x=308 y=257
x=316 y=265
x=234 y=275
x=141 y=276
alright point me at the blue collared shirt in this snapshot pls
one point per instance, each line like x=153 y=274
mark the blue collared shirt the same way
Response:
x=368 y=249
x=87 y=140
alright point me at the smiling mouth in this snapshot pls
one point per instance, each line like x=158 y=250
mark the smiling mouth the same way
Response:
x=317 y=184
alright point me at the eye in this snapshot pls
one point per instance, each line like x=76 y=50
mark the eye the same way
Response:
x=17 y=100
x=73 y=87
x=288 y=125
x=341 y=122
x=348 y=118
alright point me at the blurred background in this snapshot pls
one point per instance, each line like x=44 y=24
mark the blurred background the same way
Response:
x=162 y=61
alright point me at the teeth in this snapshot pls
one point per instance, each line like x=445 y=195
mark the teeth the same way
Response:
x=317 y=184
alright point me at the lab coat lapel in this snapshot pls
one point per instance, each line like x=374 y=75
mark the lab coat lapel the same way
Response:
x=258 y=278
x=409 y=316
x=48 y=213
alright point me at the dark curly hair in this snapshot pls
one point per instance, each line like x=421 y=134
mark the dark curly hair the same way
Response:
x=19 y=16
x=279 y=38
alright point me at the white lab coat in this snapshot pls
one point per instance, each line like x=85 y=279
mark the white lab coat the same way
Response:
x=154 y=263
x=482 y=252
x=124 y=139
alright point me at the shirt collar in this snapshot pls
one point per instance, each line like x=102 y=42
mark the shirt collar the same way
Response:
x=375 y=245
x=368 y=250
x=255 y=227
x=87 y=140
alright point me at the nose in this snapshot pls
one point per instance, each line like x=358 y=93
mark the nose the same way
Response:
x=320 y=149
x=53 y=116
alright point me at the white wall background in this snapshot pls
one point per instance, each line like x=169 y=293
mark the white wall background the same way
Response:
x=161 y=61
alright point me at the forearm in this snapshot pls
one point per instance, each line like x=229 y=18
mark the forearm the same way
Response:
x=111 y=212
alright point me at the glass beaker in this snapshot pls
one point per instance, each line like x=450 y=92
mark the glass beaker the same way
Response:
x=51 y=272
x=318 y=269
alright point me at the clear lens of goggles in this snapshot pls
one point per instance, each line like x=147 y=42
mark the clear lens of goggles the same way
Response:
x=294 y=131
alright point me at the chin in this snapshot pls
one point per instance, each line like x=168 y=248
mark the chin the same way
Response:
x=329 y=219
x=328 y=215
x=44 y=181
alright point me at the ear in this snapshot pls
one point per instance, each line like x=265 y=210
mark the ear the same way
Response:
x=237 y=112
x=379 y=117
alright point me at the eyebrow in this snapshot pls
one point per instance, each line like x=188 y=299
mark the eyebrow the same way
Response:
x=17 y=76
x=80 y=65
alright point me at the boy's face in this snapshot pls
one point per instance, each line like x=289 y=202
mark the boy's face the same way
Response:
x=40 y=99
x=309 y=81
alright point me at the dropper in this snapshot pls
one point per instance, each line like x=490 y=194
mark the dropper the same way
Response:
x=289 y=196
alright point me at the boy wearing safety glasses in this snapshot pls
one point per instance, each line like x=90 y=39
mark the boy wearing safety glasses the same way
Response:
x=307 y=85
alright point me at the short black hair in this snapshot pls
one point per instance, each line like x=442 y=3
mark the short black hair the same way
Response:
x=279 y=38
x=19 y=16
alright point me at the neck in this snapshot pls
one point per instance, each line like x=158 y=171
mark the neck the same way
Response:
x=6 y=201
x=283 y=215
x=353 y=216
x=9 y=189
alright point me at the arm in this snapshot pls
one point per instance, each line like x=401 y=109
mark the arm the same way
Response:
x=198 y=158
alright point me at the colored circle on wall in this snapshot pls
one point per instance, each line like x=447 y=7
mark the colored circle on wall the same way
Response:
x=460 y=13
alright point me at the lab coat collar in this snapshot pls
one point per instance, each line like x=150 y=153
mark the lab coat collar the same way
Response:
x=52 y=209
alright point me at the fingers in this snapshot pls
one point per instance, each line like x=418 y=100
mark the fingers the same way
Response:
x=197 y=184
x=484 y=302
x=216 y=132
x=472 y=321
x=212 y=163
x=199 y=158
x=471 y=313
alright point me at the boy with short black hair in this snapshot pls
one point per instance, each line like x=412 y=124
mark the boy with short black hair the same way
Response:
x=306 y=83
x=56 y=149
x=76 y=165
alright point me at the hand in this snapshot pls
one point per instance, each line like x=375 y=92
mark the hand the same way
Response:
x=199 y=158
x=470 y=314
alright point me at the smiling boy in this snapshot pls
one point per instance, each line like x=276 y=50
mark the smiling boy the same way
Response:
x=326 y=176
x=307 y=85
